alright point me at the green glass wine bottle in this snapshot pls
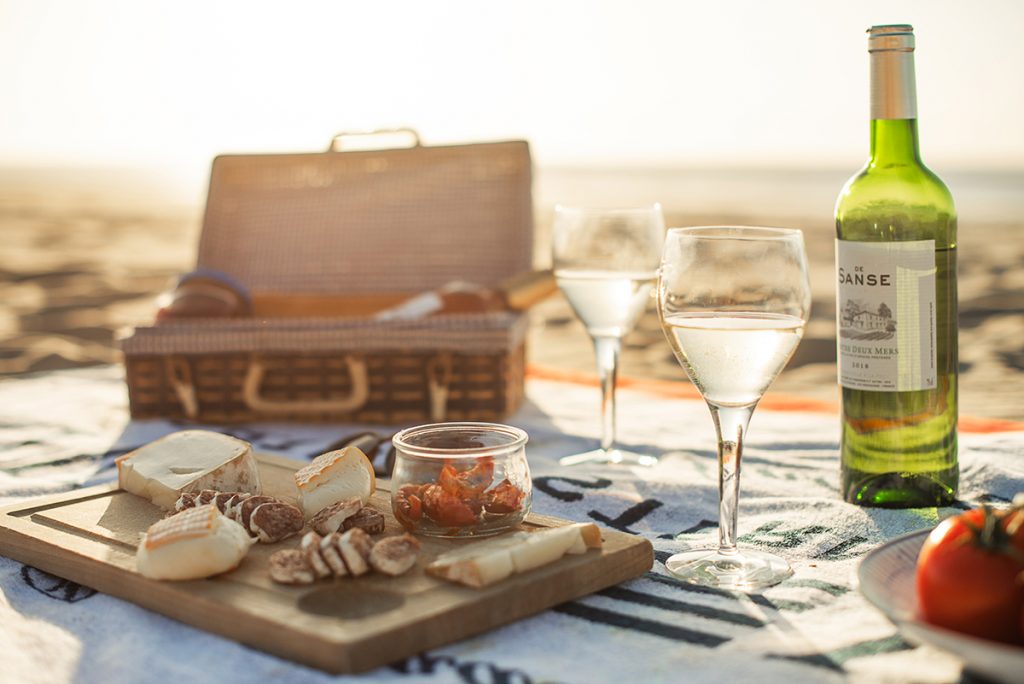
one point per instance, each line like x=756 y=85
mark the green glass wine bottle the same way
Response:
x=896 y=304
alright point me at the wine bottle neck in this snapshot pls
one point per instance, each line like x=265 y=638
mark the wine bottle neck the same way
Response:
x=894 y=141
x=893 y=95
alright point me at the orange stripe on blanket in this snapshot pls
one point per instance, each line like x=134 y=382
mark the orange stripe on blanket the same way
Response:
x=772 y=402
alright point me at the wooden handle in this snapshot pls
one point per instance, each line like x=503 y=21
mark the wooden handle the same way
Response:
x=270 y=305
x=410 y=134
x=523 y=290
x=255 y=401
x=517 y=293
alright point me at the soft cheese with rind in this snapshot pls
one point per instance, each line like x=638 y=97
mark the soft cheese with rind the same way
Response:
x=188 y=461
x=491 y=561
x=196 y=543
x=333 y=477
x=544 y=547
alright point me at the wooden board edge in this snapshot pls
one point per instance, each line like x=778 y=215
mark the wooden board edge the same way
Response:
x=20 y=541
x=20 y=509
x=625 y=564
x=163 y=598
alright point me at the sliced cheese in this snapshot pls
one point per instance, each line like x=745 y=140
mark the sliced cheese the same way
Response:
x=333 y=477
x=541 y=548
x=483 y=563
x=188 y=462
x=196 y=543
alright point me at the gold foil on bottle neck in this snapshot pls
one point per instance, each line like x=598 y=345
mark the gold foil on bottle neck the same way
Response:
x=891 y=37
x=893 y=86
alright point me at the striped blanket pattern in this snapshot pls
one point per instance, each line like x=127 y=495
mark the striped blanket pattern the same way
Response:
x=59 y=431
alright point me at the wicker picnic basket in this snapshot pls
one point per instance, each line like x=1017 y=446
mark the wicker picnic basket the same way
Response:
x=350 y=224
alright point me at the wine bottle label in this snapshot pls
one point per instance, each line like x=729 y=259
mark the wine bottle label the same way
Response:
x=885 y=315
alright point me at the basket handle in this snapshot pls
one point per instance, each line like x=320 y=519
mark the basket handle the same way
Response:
x=255 y=401
x=179 y=377
x=338 y=140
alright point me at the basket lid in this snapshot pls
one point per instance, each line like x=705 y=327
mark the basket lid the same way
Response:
x=393 y=220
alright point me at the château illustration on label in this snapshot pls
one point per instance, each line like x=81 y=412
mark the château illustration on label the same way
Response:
x=896 y=308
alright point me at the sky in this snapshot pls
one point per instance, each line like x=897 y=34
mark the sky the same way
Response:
x=637 y=83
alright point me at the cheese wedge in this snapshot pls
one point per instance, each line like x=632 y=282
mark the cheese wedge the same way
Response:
x=193 y=544
x=188 y=462
x=484 y=563
x=333 y=477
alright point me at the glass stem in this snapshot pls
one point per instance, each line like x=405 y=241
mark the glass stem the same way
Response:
x=731 y=425
x=607 y=351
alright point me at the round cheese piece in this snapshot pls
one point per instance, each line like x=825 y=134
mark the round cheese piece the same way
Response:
x=333 y=477
x=196 y=543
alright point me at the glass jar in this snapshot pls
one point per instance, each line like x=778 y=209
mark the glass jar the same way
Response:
x=460 y=479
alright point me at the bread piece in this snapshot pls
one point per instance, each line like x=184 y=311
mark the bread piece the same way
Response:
x=310 y=546
x=331 y=553
x=394 y=555
x=369 y=520
x=491 y=561
x=355 y=546
x=275 y=520
x=196 y=543
x=188 y=461
x=335 y=476
x=288 y=566
x=331 y=518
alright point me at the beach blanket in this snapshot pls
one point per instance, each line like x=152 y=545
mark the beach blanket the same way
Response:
x=63 y=430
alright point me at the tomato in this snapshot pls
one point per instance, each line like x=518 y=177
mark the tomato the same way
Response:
x=505 y=498
x=447 y=509
x=467 y=484
x=970 y=575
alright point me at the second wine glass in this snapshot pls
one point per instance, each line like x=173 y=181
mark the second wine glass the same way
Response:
x=605 y=262
x=733 y=302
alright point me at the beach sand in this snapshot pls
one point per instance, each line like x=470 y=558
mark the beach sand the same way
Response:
x=84 y=256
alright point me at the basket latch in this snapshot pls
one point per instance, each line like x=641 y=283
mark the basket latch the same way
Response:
x=179 y=377
x=256 y=402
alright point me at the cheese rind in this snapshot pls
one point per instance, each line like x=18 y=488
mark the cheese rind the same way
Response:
x=196 y=543
x=487 y=562
x=333 y=477
x=188 y=462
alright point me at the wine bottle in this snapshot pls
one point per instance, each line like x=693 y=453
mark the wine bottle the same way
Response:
x=896 y=308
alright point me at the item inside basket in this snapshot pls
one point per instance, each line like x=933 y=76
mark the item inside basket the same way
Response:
x=206 y=293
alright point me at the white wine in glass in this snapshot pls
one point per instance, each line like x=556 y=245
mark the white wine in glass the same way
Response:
x=605 y=262
x=733 y=302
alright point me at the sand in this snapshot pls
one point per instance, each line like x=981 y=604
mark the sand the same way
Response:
x=85 y=255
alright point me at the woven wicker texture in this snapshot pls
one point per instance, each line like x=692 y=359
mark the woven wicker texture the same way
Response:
x=465 y=333
x=397 y=220
x=401 y=388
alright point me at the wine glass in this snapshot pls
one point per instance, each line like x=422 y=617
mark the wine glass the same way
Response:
x=733 y=302
x=605 y=262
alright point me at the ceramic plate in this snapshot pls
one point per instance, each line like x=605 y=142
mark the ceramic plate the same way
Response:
x=886 y=578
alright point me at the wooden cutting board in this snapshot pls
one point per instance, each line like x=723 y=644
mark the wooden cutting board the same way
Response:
x=346 y=625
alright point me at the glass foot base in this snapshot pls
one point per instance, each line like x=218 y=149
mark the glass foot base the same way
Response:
x=740 y=570
x=609 y=456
